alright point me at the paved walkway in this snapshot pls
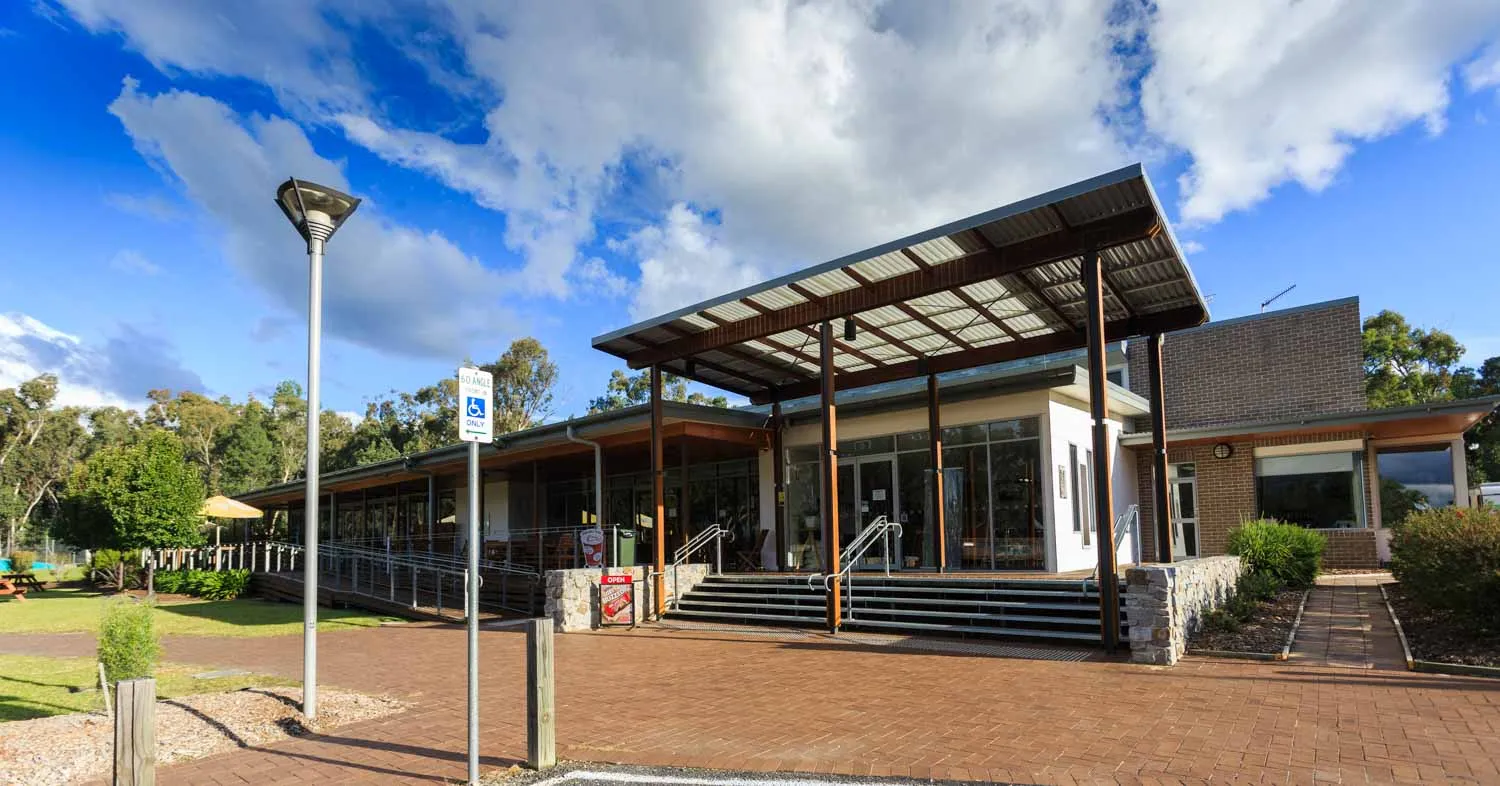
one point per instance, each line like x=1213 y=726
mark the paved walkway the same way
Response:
x=706 y=698
x=1346 y=625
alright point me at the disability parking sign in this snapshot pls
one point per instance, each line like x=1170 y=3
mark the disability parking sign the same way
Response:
x=476 y=418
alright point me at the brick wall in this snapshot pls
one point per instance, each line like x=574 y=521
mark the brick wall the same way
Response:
x=1300 y=361
x=1226 y=497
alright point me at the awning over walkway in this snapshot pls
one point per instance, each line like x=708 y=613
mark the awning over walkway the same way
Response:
x=998 y=286
x=1443 y=418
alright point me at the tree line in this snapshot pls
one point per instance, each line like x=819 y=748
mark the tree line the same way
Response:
x=80 y=464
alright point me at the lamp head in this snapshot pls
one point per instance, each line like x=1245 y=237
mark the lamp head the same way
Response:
x=316 y=211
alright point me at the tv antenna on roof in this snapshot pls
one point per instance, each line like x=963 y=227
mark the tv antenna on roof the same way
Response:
x=1276 y=297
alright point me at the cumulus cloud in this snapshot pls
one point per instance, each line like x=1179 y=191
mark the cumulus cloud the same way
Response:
x=387 y=286
x=134 y=262
x=1263 y=93
x=119 y=373
x=792 y=132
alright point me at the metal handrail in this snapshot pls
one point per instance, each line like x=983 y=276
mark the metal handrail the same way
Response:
x=1128 y=522
x=878 y=529
x=435 y=560
x=714 y=533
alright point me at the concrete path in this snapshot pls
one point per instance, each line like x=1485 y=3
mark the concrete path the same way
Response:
x=1346 y=625
x=731 y=701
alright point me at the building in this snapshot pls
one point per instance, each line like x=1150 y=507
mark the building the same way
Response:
x=934 y=394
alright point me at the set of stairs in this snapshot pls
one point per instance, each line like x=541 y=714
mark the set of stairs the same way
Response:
x=1063 y=609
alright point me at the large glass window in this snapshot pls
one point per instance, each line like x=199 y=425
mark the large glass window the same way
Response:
x=1317 y=490
x=1413 y=479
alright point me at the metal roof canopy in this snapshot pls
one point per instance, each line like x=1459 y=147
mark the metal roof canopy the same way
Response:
x=1002 y=285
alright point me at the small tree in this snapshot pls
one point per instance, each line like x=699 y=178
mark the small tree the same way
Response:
x=144 y=495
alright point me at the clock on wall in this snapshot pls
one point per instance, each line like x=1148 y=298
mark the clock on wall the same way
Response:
x=1223 y=450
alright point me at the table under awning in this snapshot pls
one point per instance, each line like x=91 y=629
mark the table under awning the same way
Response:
x=1001 y=285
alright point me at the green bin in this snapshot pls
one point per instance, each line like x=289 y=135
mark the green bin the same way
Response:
x=624 y=548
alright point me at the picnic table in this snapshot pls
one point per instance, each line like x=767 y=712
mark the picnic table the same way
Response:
x=24 y=581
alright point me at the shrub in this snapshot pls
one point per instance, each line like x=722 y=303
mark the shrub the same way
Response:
x=1221 y=619
x=1258 y=587
x=127 y=640
x=1448 y=559
x=21 y=561
x=1292 y=555
x=119 y=569
x=206 y=584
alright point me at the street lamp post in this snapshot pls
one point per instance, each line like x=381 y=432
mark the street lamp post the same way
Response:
x=317 y=212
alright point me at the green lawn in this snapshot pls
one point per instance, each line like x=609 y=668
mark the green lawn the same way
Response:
x=32 y=686
x=70 y=610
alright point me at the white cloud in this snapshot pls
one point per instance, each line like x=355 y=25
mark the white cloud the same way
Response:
x=288 y=45
x=134 y=262
x=1484 y=71
x=804 y=130
x=119 y=373
x=387 y=286
x=1263 y=93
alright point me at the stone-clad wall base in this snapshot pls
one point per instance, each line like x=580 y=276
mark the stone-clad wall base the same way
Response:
x=573 y=595
x=1166 y=603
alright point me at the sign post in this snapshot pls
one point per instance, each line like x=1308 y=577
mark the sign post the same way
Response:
x=476 y=424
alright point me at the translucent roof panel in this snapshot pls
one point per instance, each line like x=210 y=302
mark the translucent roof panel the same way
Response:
x=1002 y=285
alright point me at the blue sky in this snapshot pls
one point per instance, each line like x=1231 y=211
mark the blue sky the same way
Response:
x=561 y=170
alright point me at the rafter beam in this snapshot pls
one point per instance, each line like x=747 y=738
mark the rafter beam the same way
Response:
x=967 y=298
x=739 y=353
x=807 y=331
x=1109 y=283
x=793 y=351
x=909 y=310
x=1147 y=324
x=859 y=323
x=1124 y=227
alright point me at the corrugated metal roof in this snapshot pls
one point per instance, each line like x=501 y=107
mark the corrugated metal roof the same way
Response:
x=1006 y=282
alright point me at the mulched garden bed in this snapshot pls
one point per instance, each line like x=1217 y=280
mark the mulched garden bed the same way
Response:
x=76 y=748
x=1438 y=636
x=1265 y=634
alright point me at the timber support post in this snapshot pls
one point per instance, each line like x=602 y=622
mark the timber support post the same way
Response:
x=135 y=732
x=828 y=499
x=1161 y=508
x=541 y=719
x=1104 y=513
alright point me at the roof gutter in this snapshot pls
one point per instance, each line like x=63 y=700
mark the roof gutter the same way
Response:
x=598 y=473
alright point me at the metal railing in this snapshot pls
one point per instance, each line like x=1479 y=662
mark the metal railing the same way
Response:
x=877 y=531
x=1129 y=523
x=715 y=534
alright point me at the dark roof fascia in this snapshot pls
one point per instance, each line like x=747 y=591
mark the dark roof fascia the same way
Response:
x=1483 y=405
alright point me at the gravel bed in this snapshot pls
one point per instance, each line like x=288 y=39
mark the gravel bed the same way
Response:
x=78 y=747
x=1437 y=636
x=1265 y=634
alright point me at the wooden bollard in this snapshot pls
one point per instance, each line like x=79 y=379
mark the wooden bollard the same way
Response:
x=135 y=732
x=541 y=722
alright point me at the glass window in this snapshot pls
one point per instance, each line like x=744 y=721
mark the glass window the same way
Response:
x=1021 y=428
x=804 y=524
x=872 y=446
x=964 y=435
x=1073 y=487
x=801 y=454
x=973 y=525
x=1015 y=467
x=913 y=478
x=1413 y=479
x=916 y=440
x=1317 y=490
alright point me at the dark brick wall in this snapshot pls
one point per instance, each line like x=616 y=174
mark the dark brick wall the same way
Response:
x=1300 y=361
x=1226 y=497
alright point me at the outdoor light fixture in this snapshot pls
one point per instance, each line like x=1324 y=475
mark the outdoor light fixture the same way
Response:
x=848 y=329
x=317 y=212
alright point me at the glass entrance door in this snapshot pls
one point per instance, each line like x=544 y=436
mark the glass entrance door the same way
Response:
x=1183 y=480
x=867 y=491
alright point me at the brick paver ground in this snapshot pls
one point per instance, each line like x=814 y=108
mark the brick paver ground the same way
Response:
x=705 y=698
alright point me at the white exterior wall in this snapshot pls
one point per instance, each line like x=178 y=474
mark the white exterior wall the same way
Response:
x=1069 y=423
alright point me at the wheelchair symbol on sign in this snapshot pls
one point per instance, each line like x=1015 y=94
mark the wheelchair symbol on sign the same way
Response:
x=474 y=407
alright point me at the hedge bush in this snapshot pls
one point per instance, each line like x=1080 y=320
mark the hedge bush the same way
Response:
x=1448 y=559
x=127 y=640
x=1290 y=554
x=21 y=561
x=206 y=584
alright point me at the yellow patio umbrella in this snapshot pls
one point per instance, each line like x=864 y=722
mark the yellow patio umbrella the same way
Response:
x=222 y=507
x=225 y=508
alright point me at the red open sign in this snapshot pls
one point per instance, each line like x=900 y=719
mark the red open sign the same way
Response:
x=617 y=600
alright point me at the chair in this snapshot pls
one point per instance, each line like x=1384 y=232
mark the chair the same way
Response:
x=749 y=559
